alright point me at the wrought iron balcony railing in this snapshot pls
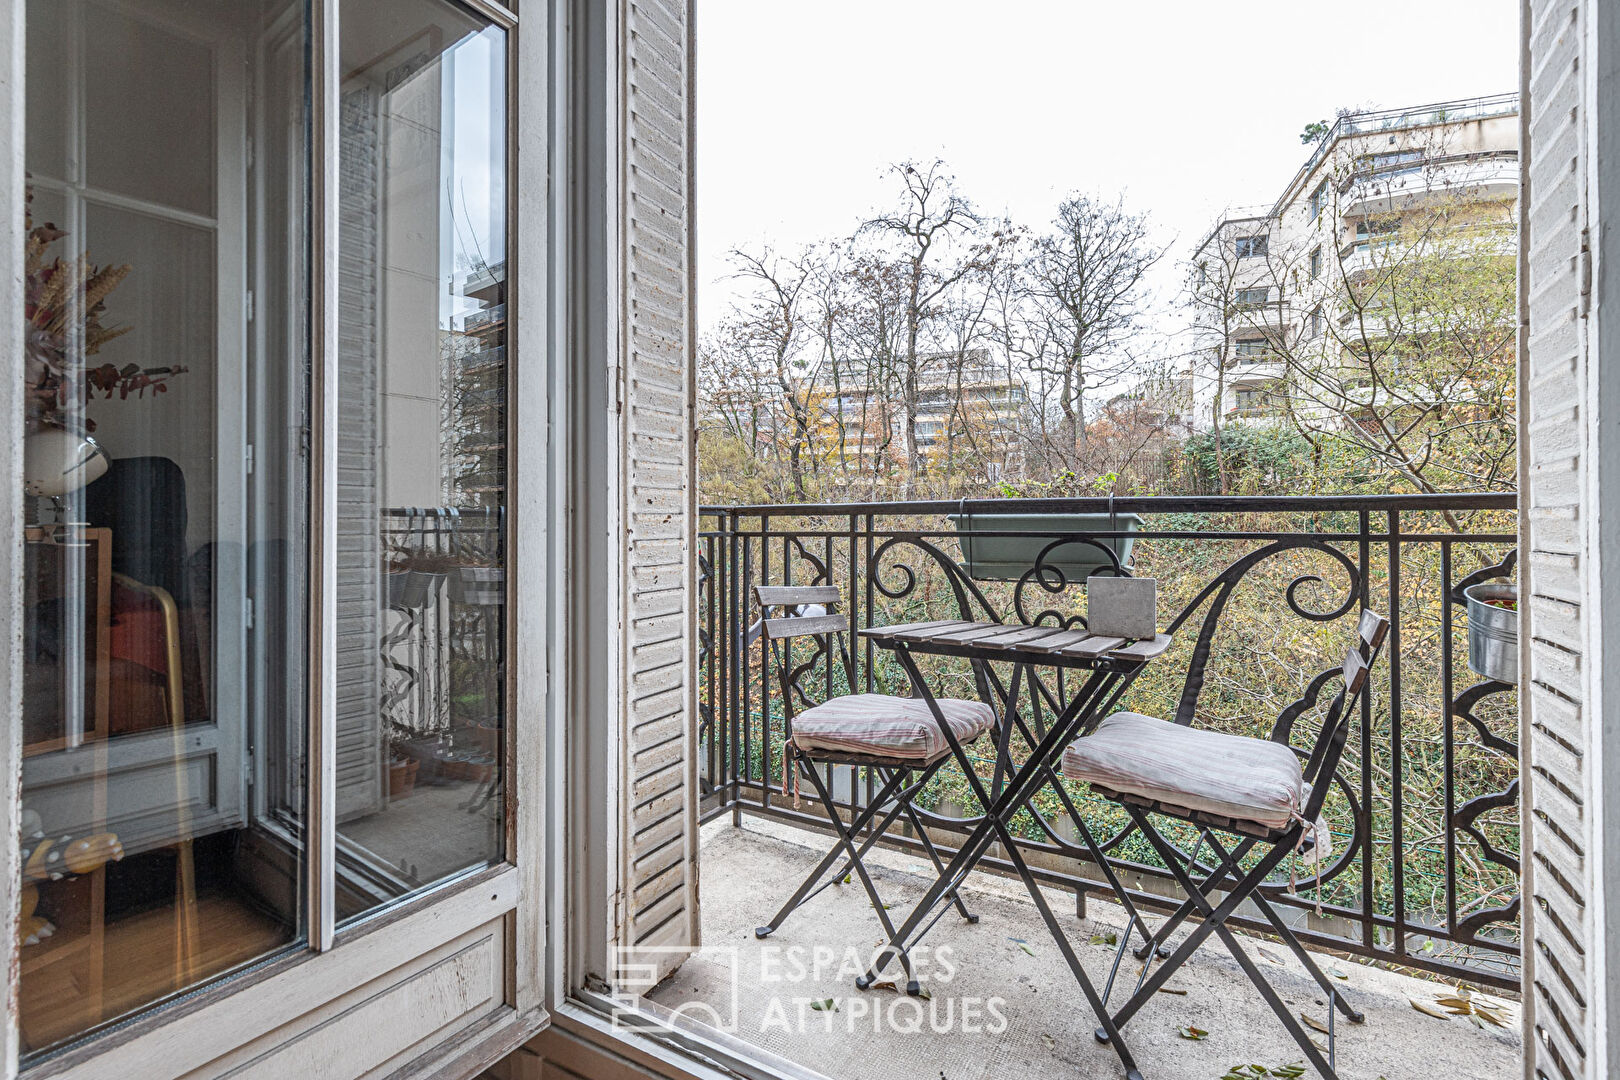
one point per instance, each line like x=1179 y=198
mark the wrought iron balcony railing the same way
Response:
x=1260 y=593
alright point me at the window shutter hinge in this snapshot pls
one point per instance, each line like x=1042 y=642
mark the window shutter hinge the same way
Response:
x=247 y=304
x=247 y=612
x=247 y=460
x=1586 y=273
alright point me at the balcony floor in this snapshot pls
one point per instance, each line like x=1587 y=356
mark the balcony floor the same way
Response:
x=746 y=872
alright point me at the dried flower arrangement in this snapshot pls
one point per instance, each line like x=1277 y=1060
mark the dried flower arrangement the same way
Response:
x=57 y=293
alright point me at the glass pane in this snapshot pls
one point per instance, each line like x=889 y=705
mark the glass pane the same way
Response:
x=422 y=482
x=153 y=138
x=164 y=591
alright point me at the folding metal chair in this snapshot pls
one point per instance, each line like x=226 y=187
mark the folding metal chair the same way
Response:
x=899 y=738
x=1254 y=789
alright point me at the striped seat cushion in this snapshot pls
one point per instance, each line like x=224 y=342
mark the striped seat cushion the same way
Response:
x=885 y=726
x=1231 y=776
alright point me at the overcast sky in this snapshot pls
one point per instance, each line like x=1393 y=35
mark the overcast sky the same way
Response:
x=1187 y=107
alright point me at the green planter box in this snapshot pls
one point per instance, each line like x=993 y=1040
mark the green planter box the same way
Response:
x=1008 y=558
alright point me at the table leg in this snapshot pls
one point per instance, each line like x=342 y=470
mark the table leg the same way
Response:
x=1011 y=799
x=1038 y=767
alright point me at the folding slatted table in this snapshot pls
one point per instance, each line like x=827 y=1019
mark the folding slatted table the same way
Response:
x=1110 y=664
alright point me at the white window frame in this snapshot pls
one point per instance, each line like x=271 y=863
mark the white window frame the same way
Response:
x=294 y=993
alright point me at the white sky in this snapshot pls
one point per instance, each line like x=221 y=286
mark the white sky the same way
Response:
x=1188 y=107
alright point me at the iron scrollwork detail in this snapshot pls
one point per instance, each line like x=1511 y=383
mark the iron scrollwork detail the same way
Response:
x=1466 y=819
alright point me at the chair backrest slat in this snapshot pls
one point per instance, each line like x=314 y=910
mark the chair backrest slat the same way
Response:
x=793 y=595
x=1372 y=628
x=780 y=629
x=1355 y=671
x=1323 y=761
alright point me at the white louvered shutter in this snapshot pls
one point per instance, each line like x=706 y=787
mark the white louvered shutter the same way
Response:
x=1561 y=503
x=658 y=905
x=359 y=734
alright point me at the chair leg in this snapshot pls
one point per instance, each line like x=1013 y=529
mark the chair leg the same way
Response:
x=808 y=888
x=939 y=865
x=845 y=838
x=1215 y=920
x=1212 y=916
x=1162 y=937
x=1286 y=932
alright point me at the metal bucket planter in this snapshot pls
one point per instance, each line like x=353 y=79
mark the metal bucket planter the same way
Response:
x=483 y=585
x=1008 y=558
x=1493 y=632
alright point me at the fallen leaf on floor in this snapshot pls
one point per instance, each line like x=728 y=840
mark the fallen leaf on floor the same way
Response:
x=925 y=995
x=1319 y=1044
x=1247 y=1072
x=825 y=1005
x=1430 y=1010
x=1478 y=1011
x=1025 y=946
x=1313 y=1023
x=1178 y=991
x=1267 y=954
x=1106 y=938
x=1051 y=1043
x=1338 y=973
x=884 y=985
x=1193 y=1033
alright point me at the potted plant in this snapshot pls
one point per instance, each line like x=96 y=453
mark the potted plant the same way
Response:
x=1493 y=630
x=63 y=305
x=401 y=776
x=995 y=546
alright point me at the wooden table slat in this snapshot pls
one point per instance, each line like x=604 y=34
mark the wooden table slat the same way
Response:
x=1057 y=642
x=1022 y=639
x=1093 y=646
x=883 y=632
x=1053 y=641
x=1145 y=649
x=969 y=634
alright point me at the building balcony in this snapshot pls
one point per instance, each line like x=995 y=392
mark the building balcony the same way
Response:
x=1475 y=177
x=1420 y=896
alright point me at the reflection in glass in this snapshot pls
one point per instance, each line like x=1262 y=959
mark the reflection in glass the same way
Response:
x=164 y=595
x=422 y=448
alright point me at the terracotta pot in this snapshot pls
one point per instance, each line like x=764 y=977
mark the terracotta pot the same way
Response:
x=401 y=777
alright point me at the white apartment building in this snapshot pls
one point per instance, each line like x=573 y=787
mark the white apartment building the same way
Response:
x=972 y=398
x=1381 y=194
